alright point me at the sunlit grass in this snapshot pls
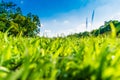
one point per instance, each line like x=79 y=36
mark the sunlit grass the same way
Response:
x=88 y=58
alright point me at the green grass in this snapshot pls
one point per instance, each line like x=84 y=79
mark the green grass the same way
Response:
x=88 y=58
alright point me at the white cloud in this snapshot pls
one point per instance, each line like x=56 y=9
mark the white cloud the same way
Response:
x=47 y=31
x=42 y=25
x=66 y=22
x=78 y=27
x=75 y=21
x=116 y=16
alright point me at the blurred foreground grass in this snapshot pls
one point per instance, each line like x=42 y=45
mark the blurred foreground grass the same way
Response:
x=88 y=58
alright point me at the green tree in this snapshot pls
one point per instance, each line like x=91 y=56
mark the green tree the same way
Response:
x=12 y=19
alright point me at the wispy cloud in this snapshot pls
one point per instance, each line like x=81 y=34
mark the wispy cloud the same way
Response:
x=66 y=22
x=75 y=20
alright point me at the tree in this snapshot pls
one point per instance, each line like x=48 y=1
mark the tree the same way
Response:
x=18 y=10
x=12 y=19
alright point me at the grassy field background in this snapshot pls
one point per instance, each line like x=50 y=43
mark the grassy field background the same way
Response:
x=88 y=58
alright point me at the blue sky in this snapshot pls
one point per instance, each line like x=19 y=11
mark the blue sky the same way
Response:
x=69 y=16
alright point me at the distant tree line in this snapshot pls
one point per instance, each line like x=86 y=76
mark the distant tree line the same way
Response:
x=15 y=23
x=103 y=30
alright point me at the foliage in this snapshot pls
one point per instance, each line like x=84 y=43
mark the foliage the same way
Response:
x=15 y=23
x=70 y=58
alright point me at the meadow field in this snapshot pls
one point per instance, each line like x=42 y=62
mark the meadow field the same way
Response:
x=68 y=58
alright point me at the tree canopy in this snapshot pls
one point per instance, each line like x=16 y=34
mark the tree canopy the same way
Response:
x=15 y=23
